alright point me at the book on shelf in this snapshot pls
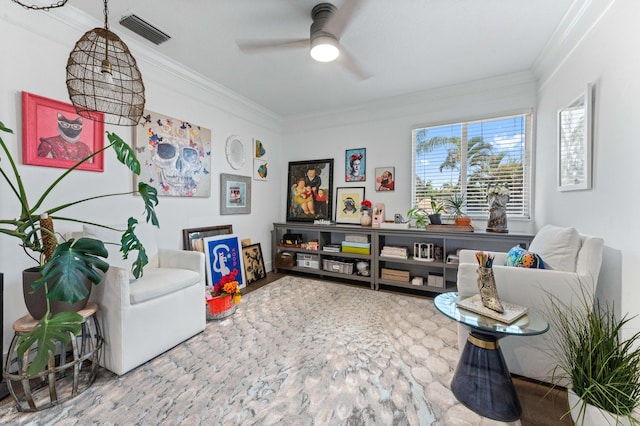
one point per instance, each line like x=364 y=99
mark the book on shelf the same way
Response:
x=393 y=256
x=331 y=248
x=354 y=244
x=511 y=311
x=356 y=250
x=356 y=238
x=393 y=251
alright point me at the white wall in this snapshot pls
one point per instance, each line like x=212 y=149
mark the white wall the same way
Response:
x=608 y=56
x=35 y=49
x=384 y=129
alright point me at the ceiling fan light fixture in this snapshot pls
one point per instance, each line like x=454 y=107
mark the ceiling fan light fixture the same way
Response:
x=324 y=49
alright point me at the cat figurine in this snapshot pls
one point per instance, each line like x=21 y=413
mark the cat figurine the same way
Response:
x=66 y=145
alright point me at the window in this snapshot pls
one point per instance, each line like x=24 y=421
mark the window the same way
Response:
x=468 y=157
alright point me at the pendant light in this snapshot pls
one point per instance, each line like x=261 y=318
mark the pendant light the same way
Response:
x=102 y=76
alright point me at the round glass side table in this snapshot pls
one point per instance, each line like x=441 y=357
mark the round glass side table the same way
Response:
x=482 y=381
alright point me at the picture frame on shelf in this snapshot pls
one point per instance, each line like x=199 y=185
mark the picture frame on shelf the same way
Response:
x=224 y=257
x=348 y=201
x=54 y=135
x=575 y=140
x=385 y=179
x=235 y=194
x=310 y=190
x=193 y=238
x=253 y=260
x=355 y=165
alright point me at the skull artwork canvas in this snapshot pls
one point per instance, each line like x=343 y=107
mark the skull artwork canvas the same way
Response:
x=175 y=156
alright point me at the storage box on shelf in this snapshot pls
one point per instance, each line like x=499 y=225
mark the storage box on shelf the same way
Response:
x=384 y=249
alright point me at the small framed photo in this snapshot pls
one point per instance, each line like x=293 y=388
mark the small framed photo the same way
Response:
x=259 y=169
x=310 y=190
x=253 y=263
x=54 y=135
x=575 y=143
x=235 y=194
x=385 y=179
x=355 y=165
x=348 y=201
x=192 y=238
x=224 y=258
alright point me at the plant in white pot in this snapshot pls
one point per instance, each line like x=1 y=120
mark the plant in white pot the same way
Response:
x=602 y=367
x=65 y=266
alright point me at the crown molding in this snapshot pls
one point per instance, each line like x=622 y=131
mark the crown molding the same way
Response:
x=213 y=94
x=577 y=23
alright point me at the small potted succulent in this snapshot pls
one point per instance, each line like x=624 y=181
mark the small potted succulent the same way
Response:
x=455 y=207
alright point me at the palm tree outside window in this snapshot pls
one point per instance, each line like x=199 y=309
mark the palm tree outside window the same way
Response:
x=468 y=157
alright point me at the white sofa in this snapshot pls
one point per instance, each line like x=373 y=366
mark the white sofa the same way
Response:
x=574 y=260
x=142 y=318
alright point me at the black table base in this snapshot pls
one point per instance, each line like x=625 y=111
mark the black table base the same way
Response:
x=482 y=381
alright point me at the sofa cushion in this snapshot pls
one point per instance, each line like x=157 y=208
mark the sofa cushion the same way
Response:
x=521 y=258
x=144 y=233
x=558 y=247
x=158 y=282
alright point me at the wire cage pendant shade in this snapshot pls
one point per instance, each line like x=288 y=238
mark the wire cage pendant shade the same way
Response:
x=102 y=76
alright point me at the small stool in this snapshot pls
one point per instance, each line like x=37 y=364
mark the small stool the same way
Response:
x=71 y=370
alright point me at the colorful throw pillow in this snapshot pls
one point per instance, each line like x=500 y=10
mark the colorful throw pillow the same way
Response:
x=521 y=258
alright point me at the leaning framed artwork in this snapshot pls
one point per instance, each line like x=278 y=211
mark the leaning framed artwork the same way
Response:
x=192 y=238
x=224 y=259
x=175 y=156
x=310 y=190
x=235 y=194
x=575 y=143
x=385 y=179
x=53 y=135
x=348 y=201
x=254 y=269
x=355 y=165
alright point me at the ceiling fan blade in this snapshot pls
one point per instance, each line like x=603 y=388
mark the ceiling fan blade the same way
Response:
x=350 y=62
x=337 y=23
x=254 y=46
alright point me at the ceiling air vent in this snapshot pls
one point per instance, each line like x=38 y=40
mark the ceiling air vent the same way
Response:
x=144 y=29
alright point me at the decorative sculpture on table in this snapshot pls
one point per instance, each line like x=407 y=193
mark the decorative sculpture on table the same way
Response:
x=487 y=283
x=497 y=197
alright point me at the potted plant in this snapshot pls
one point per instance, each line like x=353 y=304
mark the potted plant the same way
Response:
x=419 y=215
x=223 y=297
x=64 y=265
x=454 y=206
x=603 y=369
x=437 y=207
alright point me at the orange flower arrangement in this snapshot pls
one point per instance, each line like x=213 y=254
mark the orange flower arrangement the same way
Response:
x=227 y=286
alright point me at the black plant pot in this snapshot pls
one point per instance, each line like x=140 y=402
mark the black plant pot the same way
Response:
x=37 y=302
x=435 y=219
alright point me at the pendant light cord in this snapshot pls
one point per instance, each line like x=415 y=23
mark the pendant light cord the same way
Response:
x=45 y=8
x=106 y=15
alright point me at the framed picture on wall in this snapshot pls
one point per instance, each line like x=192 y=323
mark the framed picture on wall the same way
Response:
x=385 y=179
x=235 y=194
x=193 y=238
x=224 y=258
x=348 y=201
x=355 y=165
x=574 y=143
x=310 y=190
x=53 y=135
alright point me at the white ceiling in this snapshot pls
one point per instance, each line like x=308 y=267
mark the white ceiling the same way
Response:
x=406 y=45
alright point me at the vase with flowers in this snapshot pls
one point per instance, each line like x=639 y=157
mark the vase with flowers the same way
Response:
x=497 y=197
x=223 y=297
x=365 y=213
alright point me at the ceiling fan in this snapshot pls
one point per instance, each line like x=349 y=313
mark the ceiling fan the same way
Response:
x=329 y=23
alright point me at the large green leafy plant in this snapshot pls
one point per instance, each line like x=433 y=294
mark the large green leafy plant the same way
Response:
x=603 y=368
x=64 y=264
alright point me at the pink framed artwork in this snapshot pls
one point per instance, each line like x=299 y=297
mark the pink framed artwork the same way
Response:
x=53 y=135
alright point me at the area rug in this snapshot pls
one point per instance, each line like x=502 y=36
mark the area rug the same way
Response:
x=296 y=352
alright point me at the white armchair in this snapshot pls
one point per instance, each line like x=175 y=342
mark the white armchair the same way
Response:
x=142 y=318
x=574 y=261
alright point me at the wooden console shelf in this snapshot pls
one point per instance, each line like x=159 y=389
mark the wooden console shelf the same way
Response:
x=444 y=274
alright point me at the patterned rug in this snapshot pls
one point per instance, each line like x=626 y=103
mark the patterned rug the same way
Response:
x=296 y=352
